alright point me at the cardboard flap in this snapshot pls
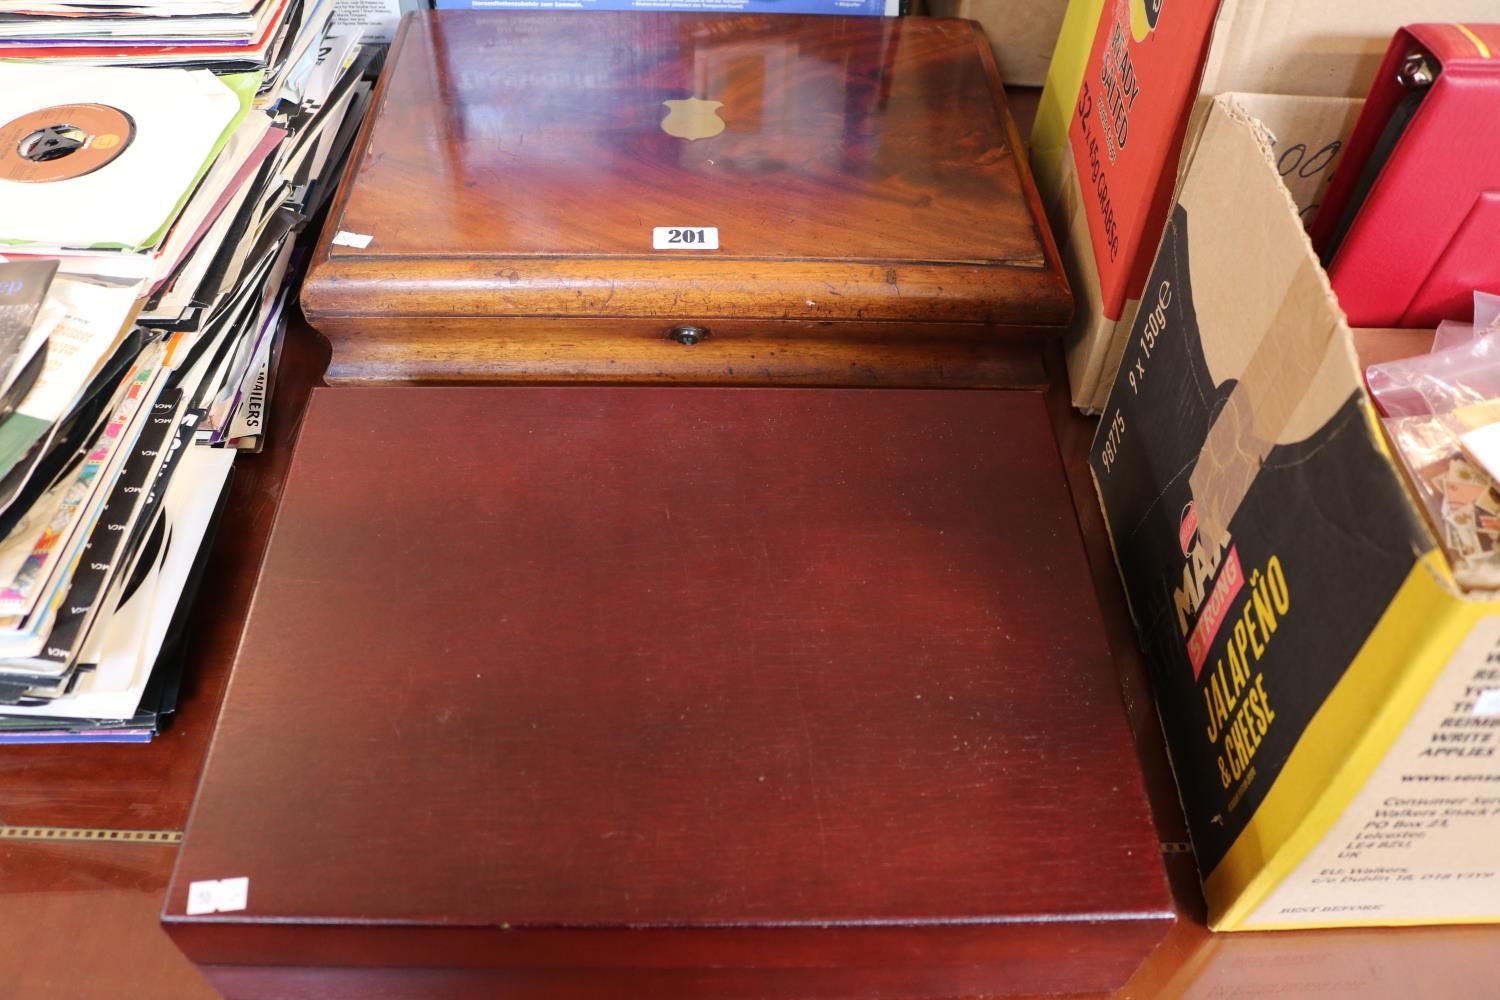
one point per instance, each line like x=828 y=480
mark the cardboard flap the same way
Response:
x=1308 y=136
x=1270 y=323
x=1329 y=48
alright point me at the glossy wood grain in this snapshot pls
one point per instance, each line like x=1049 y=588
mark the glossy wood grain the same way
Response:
x=81 y=923
x=150 y=787
x=702 y=678
x=1395 y=963
x=843 y=139
x=245 y=982
x=516 y=165
x=392 y=351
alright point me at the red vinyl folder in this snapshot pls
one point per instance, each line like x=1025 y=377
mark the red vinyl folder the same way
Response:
x=1411 y=224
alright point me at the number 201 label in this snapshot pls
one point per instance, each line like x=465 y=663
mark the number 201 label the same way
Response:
x=685 y=238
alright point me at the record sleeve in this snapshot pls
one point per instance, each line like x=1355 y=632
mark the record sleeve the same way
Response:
x=103 y=157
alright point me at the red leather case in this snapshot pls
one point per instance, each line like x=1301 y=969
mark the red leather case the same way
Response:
x=1427 y=233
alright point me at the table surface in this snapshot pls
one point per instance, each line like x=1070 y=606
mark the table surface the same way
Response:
x=81 y=901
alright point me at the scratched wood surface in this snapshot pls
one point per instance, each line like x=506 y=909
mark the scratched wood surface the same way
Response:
x=644 y=678
x=515 y=167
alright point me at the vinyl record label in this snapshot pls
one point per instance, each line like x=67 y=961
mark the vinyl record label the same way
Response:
x=62 y=142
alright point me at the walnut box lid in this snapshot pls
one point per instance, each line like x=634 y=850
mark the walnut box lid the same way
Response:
x=549 y=177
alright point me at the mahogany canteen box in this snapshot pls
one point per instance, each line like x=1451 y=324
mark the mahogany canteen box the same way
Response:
x=679 y=197
x=811 y=698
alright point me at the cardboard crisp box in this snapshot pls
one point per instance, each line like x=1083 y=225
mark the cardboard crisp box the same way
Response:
x=1022 y=33
x=1331 y=700
x=1130 y=81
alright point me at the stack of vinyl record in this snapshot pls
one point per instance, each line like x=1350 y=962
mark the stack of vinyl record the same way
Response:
x=263 y=36
x=148 y=224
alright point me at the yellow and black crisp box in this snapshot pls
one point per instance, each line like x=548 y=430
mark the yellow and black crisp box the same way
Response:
x=1330 y=697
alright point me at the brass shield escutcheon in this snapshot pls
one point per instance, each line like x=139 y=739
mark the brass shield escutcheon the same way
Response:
x=693 y=118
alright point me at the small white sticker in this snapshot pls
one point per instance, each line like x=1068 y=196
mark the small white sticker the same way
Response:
x=203 y=897
x=234 y=894
x=685 y=238
x=218 y=896
x=356 y=240
x=1488 y=702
